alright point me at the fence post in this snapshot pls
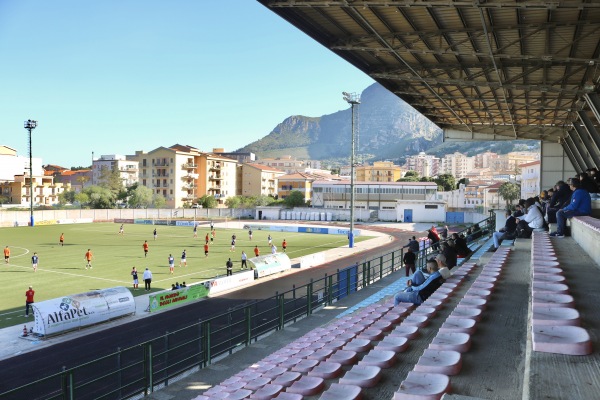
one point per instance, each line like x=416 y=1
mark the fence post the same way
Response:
x=206 y=329
x=167 y=358
x=148 y=385
x=381 y=267
x=364 y=274
x=369 y=272
x=281 y=303
x=248 y=325
x=330 y=290
x=119 y=368
x=393 y=252
x=309 y=297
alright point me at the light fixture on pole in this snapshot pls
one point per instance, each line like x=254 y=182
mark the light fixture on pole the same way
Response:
x=30 y=125
x=354 y=100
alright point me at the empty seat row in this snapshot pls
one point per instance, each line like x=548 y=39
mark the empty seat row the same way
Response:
x=555 y=322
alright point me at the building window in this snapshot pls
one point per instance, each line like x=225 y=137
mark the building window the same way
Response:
x=431 y=206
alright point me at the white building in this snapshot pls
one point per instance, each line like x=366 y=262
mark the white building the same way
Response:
x=128 y=169
x=530 y=179
x=456 y=164
x=11 y=164
x=425 y=165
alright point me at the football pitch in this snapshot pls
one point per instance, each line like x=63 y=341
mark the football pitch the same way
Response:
x=61 y=269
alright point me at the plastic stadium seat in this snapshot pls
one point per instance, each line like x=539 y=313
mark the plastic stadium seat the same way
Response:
x=307 y=386
x=473 y=302
x=457 y=324
x=240 y=394
x=287 y=378
x=549 y=299
x=559 y=288
x=341 y=392
x=257 y=383
x=407 y=331
x=416 y=320
x=555 y=316
x=480 y=293
x=267 y=392
x=423 y=386
x=305 y=366
x=445 y=362
x=550 y=278
x=335 y=344
x=320 y=355
x=365 y=376
x=433 y=303
x=466 y=312
x=288 y=396
x=397 y=344
x=274 y=373
x=290 y=362
x=455 y=341
x=326 y=370
x=379 y=358
x=344 y=357
x=359 y=345
x=571 y=340
x=371 y=334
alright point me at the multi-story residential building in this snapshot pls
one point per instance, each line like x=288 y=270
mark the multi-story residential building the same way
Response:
x=482 y=160
x=456 y=164
x=45 y=190
x=530 y=179
x=257 y=180
x=12 y=165
x=380 y=171
x=370 y=196
x=289 y=164
x=77 y=179
x=182 y=174
x=300 y=181
x=423 y=164
x=128 y=169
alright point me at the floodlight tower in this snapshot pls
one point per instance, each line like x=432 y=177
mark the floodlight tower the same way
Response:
x=354 y=100
x=30 y=125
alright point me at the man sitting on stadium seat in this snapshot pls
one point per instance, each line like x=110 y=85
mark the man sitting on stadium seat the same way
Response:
x=419 y=288
x=581 y=204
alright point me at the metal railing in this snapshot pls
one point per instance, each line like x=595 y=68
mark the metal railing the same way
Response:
x=141 y=369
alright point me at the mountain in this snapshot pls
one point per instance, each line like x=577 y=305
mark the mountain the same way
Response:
x=388 y=129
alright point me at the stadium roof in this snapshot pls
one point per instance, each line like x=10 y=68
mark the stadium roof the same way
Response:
x=479 y=69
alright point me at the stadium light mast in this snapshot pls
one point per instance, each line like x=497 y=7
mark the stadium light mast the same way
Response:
x=30 y=125
x=354 y=100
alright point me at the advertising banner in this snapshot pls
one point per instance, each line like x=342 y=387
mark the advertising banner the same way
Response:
x=186 y=223
x=75 y=221
x=83 y=309
x=225 y=283
x=168 y=298
x=270 y=264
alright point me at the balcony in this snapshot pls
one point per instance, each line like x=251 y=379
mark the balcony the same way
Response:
x=189 y=166
x=165 y=175
x=215 y=167
x=160 y=163
x=189 y=186
x=215 y=178
x=190 y=176
x=188 y=197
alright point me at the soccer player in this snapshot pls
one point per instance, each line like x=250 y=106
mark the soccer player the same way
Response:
x=61 y=240
x=134 y=275
x=28 y=300
x=256 y=251
x=183 y=259
x=270 y=239
x=273 y=249
x=196 y=230
x=6 y=255
x=232 y=243
x=212 y=236
x=171 y=264
x=34 y=261
x=284 y=245
x=145 y=246
x=206 y=249
x=88 y=257
x=155 y=234
x=250 y=234
x=121 y=231
x=206 y=238
x=244 y=260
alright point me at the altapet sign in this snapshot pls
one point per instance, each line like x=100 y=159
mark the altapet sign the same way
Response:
x=80 y=310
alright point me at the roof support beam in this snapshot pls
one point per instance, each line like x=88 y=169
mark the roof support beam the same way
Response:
x=579 y=158
x=589 y=135
x=578 y=135
x=571 y=155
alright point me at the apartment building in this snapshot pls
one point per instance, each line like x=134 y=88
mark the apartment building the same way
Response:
x=289 y=164
x=380 y=171
x=78 y=179
x=182 y=174
x=258 y=180
x=45 y=190
x=425 y=165
x=456 y=164
x=12 y=164
x=300 y=181
x=128 y=169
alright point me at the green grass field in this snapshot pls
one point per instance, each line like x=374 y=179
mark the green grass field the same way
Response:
x=61 y=270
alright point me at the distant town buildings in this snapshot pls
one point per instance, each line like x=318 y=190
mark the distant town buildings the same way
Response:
x=128 y=169
x=530 y=179
x=289 y=164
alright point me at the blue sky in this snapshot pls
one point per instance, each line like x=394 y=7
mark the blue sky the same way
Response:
x=116 y=76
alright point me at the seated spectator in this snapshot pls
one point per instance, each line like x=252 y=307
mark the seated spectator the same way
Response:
x=173 y=287
x=508 y=232
x=420 y=288
x=581 y=204
x=560 y=198
x=530 y=221
x=587 y=183
x=450 y=255
x=409 y=261
x=518 y=211
x=183 y=284
x=177 y=285
x=462 y=250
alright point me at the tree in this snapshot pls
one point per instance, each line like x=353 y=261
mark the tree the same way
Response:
x=445 y=182
x=464 y=181
x=234 y=202
x=68 y=196
x=82 y=198
x=98 y=197
x=159 y=201
x=111 y=179
x=426 y=179
x=411 y=173
x=141 y=197
x=294 y=199
x=207 y=201
x=510 y=192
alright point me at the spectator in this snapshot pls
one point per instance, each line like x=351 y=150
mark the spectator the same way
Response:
x=450 y=254
x=560 y=199
x=530 y=221
x=229 y=267
x=29 y=300
x=420 y=288
x=409 y=261
x=581 y=204
x=462 y=250
x=508 y=232
x=587 y=183
x=432 y=235
x=147 y=280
